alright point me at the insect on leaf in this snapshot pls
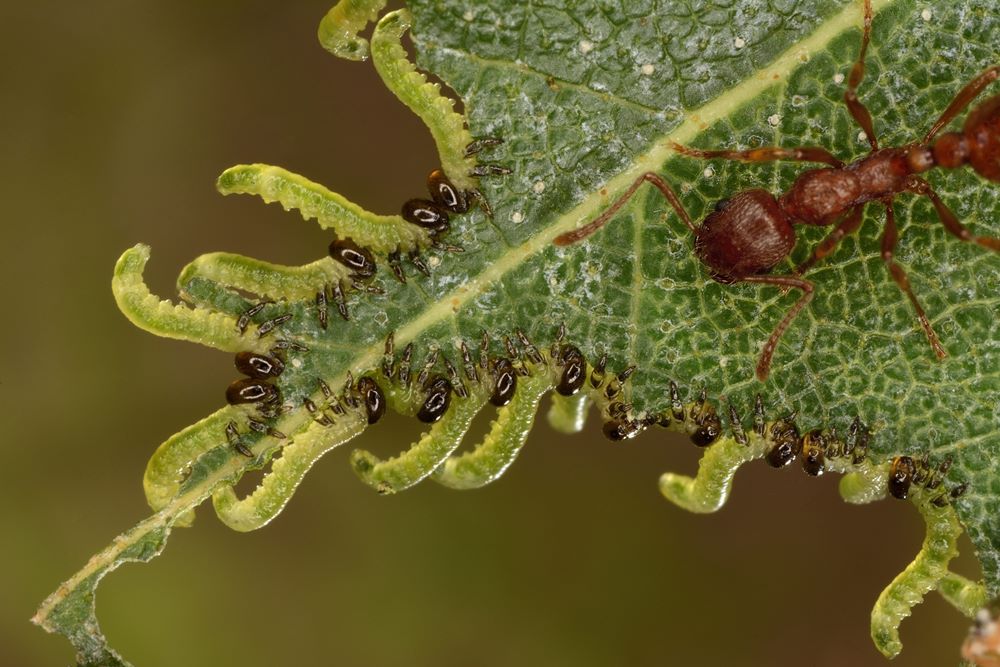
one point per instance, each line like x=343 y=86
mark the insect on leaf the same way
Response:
x=586 y=99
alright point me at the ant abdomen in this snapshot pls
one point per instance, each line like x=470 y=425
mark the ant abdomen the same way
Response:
x=749 y=219
x=982 y=137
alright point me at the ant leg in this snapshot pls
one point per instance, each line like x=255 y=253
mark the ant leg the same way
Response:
x=921 y=187
x=767 y=154
x=857 y=108
x=962 y=100
x=764 y=363
x=889 y=238
x=849 y=225
x=593 y=226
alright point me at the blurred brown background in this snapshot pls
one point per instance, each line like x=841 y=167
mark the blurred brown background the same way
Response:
x=115 y=119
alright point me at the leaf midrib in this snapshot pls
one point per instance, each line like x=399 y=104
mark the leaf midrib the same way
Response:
x=695 y=122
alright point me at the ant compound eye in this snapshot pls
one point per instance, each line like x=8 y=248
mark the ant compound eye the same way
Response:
x=259 y=366
x=722 y=204
x=574 y=372
x=426 y=214
x=354 y=257
x=506 y=383
x=901 y=473
x=373 y=398
x=251 y=391
x=437 y=401
x=444 y=193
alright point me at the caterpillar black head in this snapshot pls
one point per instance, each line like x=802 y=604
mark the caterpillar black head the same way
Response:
x=787 y=443
x=506 y=382
x=814 y=447
x=359 y=260
x=259 y=366
x=373 y=399
x=445 y=194
x=901 y=473
x=251 y=391
x=622 y=429
x=426 y=214
x=574 y=371
x=437 y=400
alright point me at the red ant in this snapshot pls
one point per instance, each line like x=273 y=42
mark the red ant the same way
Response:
x=747 y=235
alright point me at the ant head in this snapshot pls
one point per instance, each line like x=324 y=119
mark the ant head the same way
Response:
x=982 y=134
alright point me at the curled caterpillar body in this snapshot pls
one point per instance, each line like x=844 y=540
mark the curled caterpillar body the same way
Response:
x=248 y=390
x=259 y=366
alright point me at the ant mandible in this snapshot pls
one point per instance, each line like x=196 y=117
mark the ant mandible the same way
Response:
x=749 y=233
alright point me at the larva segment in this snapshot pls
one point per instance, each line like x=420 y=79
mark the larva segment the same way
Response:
x=381 y=233
x=338 y=30
x=287 y=471
x=963 y=594
x=164 y=318
x=423 y=457
x=567 y=414
x=264 y=279
x=864 y=485
x=920 y=577
x=167 y=466
x=709 y=489
x=447 y=127
x=508 y=433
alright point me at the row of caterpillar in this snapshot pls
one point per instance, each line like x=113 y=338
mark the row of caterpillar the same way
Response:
x=304 y=430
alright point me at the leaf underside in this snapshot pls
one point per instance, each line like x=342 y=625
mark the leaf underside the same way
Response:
x=588 y=100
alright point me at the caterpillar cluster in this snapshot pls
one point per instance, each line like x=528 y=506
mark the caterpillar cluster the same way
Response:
x=431 y=215
x=427 y=393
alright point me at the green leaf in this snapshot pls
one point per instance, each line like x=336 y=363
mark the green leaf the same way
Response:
x=587 y=99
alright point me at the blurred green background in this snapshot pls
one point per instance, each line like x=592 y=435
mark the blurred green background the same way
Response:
x=116 y=119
